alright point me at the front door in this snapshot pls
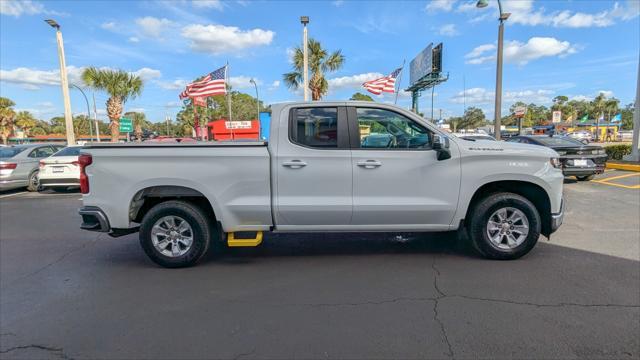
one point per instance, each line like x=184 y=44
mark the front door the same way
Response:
x=398 y=184
x=313 y=170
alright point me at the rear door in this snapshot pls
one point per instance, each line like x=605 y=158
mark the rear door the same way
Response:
x=398 y=183
x=313 y=170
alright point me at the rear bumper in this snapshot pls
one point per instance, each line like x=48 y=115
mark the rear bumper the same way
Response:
x=59 y=182
x=557 y=218
x=94 y=219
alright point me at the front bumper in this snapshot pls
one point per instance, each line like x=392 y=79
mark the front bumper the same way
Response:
x=557 y=218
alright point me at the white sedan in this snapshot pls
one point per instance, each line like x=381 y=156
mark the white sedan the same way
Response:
x=61 y=170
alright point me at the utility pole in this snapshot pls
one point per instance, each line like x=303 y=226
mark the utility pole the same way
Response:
x=68 y=120
x=305 y=56
x=257 y=97
x=95 y=117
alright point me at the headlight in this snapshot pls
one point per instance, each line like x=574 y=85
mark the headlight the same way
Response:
x=561 y=153
x=599 y=152
x=555 y=162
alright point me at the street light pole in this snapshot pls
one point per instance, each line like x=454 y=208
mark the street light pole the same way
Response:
x=88 y=110
x=305 y=56
x=498 y=105
x=635 y=145
x=68 y=120
x=95 y=117
x=257 y=98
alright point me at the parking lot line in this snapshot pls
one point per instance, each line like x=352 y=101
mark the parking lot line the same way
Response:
x=607 y=181
x=10 y=195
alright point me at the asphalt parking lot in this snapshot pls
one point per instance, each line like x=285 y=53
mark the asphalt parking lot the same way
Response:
x=69 y=294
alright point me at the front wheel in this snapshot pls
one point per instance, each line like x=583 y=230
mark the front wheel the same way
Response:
x=175 y=234
x=585 y=178
x=504 y=226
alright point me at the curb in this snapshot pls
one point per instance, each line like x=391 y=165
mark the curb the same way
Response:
x=621 y=166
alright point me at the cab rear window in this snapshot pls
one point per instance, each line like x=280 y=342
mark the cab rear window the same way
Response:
x=69 y=151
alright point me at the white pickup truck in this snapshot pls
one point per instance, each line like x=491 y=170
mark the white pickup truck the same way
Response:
x=328 y=166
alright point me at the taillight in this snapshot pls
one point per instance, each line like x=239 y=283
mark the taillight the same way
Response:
x=41 y=164
x=84 y=160
x=8 y=166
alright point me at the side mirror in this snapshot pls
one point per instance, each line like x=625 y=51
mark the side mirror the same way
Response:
x=441 y=146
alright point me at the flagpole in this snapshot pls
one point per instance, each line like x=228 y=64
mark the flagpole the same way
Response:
x=399 y=80
x=226 y=83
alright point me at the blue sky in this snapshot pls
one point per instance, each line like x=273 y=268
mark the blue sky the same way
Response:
x=575 y=48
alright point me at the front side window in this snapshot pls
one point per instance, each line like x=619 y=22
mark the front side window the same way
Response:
x=315 y=127
x=384 y=129
x=41 y=152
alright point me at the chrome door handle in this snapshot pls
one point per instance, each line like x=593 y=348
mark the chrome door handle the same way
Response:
x=294 y=164
x=369 y=164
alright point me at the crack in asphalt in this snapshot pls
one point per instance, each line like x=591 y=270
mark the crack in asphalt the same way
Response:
x=442 y=295
x=245 y=354
x=57 y=351
x=561 y=304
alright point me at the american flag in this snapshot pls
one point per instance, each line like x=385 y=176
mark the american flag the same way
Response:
x=210 y=85
x=383 y=84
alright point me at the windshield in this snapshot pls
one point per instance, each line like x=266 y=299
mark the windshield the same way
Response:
x=558 y=141
x=69 y=151
x=10 y=152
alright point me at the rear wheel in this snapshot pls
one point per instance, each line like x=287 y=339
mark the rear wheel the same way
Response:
x=34 y=181
x=175 y=234
x=585 y=178
x=504 y=226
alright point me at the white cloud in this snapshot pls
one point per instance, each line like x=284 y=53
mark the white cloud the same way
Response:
x=522 y=53
x=147 y=74
x=111 y=25
x=33 y=79
x=353 y=81
x=153 y=27
x=337 y=3
x=23 y=7
x=439 y=5
x=448 y=30
x=290 y=54
x=476 y=96
x=208 y=4
x=606 y=93
x=242 y=82
x=523 y=12
x=177 y=84
x=134 y=39
x=173 y=104
x=275 y=83
x=220 y=39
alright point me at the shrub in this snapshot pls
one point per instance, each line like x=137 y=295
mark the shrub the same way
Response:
x=616 y=152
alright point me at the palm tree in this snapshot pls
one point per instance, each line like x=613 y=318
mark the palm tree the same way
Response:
x=7 y=116
x=611 y=106
x=139 y=120
x=25 y=121
x=120 y=85
x=320 y=62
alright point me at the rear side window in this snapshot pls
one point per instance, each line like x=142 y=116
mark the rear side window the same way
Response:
x=69 y=151
x=315 y=127
x=9 y=152
x=41 y=152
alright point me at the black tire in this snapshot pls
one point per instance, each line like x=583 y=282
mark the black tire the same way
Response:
x=480 y=217
x=585 y=178
x=34 y=183
x=194 y=216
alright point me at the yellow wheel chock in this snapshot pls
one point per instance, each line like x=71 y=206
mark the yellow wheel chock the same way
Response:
x=233 y=242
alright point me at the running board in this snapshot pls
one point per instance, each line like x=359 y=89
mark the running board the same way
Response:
x=245 y=242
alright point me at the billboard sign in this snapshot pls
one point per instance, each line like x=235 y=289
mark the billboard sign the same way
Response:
x=519 y=111
x=557 y=116
x=421 y=65
x=428 y=61
x=237 y=124
x=126 y=125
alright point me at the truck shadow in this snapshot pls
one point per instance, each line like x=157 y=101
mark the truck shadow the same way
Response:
x=323 y=244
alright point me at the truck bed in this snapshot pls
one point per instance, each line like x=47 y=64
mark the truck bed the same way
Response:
x=233 y=175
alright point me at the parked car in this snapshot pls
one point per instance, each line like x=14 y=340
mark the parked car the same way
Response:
x=19 y=165
x=624 y=135
x=180 y=197
x=474 y=136
x=577 y=159
x=61 y=170
x=582 y=135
